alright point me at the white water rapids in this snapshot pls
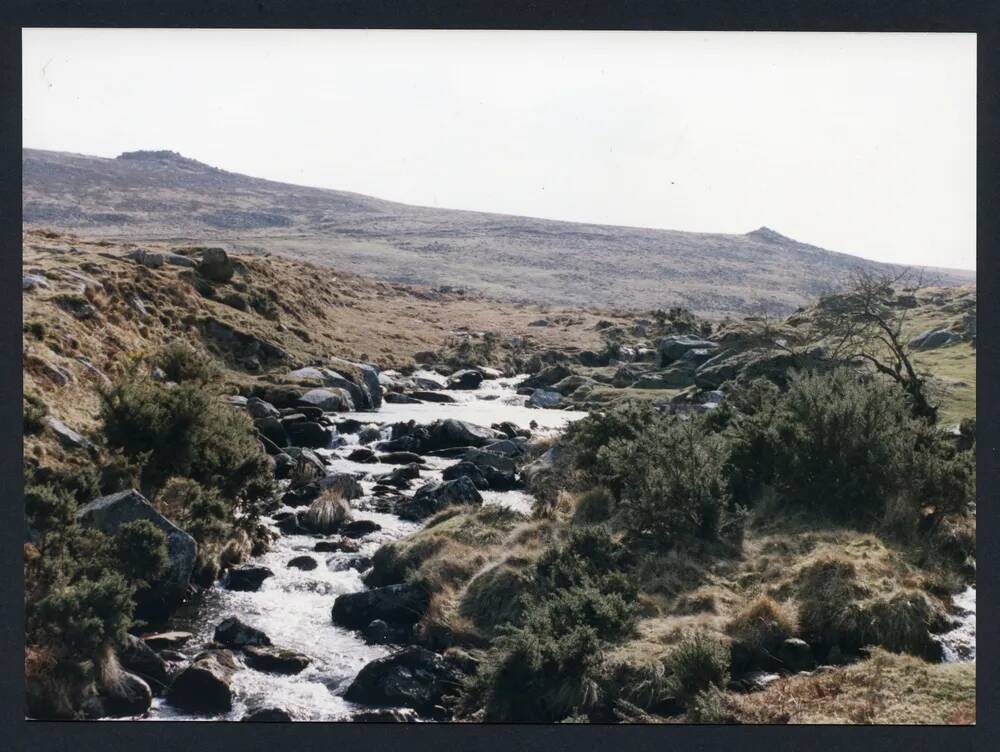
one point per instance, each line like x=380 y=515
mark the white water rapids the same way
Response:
x=293 y=607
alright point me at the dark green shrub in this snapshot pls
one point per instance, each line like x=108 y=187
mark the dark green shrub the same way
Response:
x=181 y=362
x=48 y=508
x=185 y=430
x=586 y=437
x=140 y=550
x=543 y=669
x=845 y=446
x=84 y=616
x=674 y=487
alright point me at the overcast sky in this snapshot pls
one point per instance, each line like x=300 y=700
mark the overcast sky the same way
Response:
x=863 y=143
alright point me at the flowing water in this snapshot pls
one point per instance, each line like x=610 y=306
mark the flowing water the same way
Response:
x=293 y=607
x=959 y=643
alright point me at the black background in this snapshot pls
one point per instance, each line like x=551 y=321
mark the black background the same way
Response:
x=733 y=15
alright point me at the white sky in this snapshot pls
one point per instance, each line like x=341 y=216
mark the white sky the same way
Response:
x=863 y=143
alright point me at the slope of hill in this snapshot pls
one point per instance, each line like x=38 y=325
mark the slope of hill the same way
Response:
x=148 y=196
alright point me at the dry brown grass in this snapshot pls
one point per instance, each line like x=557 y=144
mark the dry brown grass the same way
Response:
x=321 y=312
x=885 y=689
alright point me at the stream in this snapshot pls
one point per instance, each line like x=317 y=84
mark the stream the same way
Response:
x=293 y=606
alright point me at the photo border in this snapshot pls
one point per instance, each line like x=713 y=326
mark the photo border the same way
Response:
x=706 y=15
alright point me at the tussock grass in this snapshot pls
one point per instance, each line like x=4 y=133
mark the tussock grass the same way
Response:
x=887 y=688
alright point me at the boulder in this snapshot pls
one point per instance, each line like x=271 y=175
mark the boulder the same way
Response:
x=329 y=400
x=438 y=495
x=31 y=281
x=358 y=529
x=305 y=563
x=365 y=375
x=246 y=577
x=267 y=715
x=676 y=346
x=497 y=472
x=467 y=378
x=402 y=458
x=677 y=376
x=753 y=363
x=573 y=382
x=414 y=677
x=308 y=434
x=450 y=433
x=401 y=476
x=396 y=605
x=934 y=338
x=544 y=398
x=543 y=464
x=275 y=660
x=338 y=545
x=397 y=398
x=506 y=448
x=547 y=376
x=258 y=408
x=591 y=359
x=329 y=378
x=175 y=259
x=128 y=695
x=67 y=436
x=426 y=396
x=363 y=455
x=272 y=429
x=302 y=496
x=796 y=655
x=234 y=633
x=167 y=640
x=108 y=513
x=215 y=265
x=205 y=685
x=139 y=658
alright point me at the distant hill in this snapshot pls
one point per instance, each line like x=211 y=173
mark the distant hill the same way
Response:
x=162 y=196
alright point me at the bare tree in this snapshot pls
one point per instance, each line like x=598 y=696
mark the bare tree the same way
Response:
x=866 y=323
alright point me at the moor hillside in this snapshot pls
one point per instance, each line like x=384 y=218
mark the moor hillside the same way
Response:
x=162 y=196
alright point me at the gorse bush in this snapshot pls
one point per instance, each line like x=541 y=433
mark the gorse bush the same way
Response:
x=588 y=436
x=140 y=549
x=543 y=668
x=843 y=445
x=181 y=362
x=674 y=489
x=184 y=430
